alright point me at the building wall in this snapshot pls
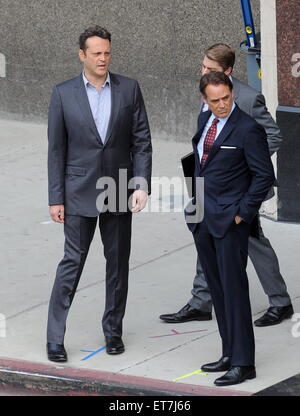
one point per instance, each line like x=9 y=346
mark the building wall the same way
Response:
x=159 y=42
x=269 y=79
x=288 y=111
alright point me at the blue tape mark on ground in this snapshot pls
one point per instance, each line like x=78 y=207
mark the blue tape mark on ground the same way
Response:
x=93 y=352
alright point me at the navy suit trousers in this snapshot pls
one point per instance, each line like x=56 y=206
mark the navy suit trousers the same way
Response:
x=224 y=262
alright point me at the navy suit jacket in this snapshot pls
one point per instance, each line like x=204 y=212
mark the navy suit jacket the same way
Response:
x=238 y=172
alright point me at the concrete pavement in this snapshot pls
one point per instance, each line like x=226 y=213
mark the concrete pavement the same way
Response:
x=159 y=357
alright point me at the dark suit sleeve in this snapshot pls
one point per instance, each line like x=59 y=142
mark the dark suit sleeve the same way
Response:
x=141 y=148
x=198 y=121
x=260 y=165
x=57 y=149
x=261 y=114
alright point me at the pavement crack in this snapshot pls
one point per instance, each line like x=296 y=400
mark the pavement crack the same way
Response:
x=169 y=253
x=166 y=351
x=103 y=280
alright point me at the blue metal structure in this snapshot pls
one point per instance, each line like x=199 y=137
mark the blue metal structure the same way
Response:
x=249 y=24
x=251 y=46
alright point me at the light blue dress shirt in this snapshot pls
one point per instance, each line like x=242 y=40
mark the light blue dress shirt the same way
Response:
x=100 y=103
x=220 y=126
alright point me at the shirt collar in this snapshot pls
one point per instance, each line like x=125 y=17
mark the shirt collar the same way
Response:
x=87 y=83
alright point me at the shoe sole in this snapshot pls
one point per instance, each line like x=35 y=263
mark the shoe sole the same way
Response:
x=115 y=353
x=275 y=323
x=215 y=371
x=58 y=360
x=169 y=321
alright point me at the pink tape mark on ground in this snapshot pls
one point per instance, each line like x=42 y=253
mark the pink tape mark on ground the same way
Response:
x=177 y=333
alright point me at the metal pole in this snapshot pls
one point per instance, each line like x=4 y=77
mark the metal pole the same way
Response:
x=249 y=25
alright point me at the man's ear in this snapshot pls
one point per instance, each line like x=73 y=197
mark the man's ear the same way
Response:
x=81 y=55
x=228 y=71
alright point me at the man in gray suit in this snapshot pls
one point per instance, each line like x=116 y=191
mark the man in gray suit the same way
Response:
x=220 y=57
x=99 y=141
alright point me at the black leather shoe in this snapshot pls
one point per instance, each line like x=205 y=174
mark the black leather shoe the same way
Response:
x=275 y=315
x=187 y=313
x=236 y=375
x=56 y=352
x=114 y=345
x=222 y=365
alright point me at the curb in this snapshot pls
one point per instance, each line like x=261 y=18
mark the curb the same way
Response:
x=81 y=382
x=287 y=387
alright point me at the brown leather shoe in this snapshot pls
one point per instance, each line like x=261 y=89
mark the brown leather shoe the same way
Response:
x=187 y=313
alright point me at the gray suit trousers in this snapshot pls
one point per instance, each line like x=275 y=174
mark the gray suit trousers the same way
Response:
x=266 y=265
x=116 y=237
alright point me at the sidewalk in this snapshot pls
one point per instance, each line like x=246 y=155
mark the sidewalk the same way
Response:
x=160 y=358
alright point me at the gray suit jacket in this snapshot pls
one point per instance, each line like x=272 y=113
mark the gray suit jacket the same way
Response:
x=77 y=158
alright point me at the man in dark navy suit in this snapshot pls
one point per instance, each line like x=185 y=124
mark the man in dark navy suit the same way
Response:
x=231 y=154
x=221 y=58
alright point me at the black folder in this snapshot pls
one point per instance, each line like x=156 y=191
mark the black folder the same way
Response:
x=188 y=167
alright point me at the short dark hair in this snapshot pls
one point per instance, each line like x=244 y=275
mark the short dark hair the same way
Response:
x=93 y=31
x=214 y=78
x=221 y=53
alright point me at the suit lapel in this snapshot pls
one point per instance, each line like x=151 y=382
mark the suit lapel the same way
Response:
x=115 y=105
x=83 y=101
x=203 y=119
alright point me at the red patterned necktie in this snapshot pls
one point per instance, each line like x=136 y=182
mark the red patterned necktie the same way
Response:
x=209 y=140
